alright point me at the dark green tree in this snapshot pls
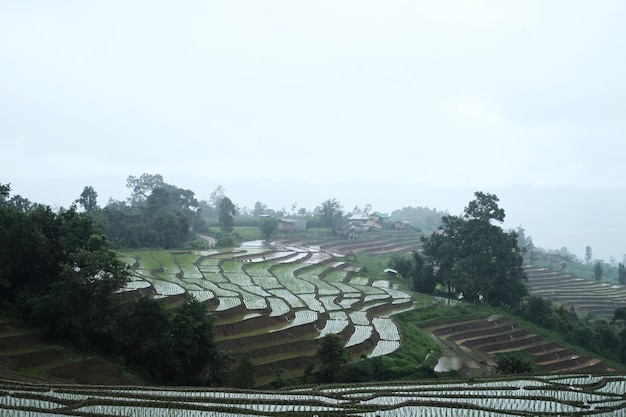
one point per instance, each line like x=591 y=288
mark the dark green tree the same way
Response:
x=190 y=343
x=588 y=254
x=518 y=362
x=598 y=271
x=477 y=258
x=332 y=357
x=140 y=333
x=268 y=226
x=401 y=264
x=143 y=186
x=621 y=274
x=5 y=191
x=227 y=215
x=88 y=199
x=330 y=212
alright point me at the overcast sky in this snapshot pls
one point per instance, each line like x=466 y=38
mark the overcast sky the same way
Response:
x=392 y=103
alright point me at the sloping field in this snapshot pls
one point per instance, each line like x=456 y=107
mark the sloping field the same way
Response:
x=402 y=241
x=478 y=341
x=584 y=296
x=22 y=350
x=274 y=303
x=575 y=395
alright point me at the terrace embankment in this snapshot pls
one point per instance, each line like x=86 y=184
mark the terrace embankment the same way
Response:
x=480 y=340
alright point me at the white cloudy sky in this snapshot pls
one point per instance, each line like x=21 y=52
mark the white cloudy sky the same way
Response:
x=392 y=103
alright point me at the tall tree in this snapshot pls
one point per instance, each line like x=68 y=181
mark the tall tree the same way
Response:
x=227 y=215
x=333 y=357
x=143 y=186
x=268 y=226
x=621 y=274
x=477 y=258
x=330 y=212
x=190 y=342
x=216 y=197
x=598 y=271
x=88 y=199
x=259 y=209
x=588 y=254
x=5 y=190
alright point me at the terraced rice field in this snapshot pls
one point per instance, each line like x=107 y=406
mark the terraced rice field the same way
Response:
x=377 y=243
x=476 y=342
x=273 y=303
x=565 y=395
x=584 y=296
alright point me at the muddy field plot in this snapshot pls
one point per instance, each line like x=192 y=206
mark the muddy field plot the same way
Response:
x=273 y=303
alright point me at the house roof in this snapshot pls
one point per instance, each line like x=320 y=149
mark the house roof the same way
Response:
x=359 y=216
x=381 y=215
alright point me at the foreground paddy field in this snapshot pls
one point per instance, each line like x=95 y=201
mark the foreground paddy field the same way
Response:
x=565 y=395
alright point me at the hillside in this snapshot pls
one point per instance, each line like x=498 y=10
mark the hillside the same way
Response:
x=24 y=353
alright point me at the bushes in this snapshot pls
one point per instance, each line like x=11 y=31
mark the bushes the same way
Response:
x=518 y=362
x=593 y=334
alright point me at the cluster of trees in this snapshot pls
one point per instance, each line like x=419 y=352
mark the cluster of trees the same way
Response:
x=606 y=338
x=422 y=218
x=470 y=256
x=59 y=273
x=156 y=214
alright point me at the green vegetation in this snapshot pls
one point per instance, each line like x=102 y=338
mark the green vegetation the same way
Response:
x=332 y=358
x=61 y=275
x=476 y=258
x=516 y=363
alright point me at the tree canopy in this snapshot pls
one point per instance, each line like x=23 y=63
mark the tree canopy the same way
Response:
x=333 y=357
x=227 y=215
x=477 y=259
x=330 y=211
x=59 y=272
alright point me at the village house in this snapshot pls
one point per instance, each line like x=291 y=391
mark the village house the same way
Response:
x=291 y=225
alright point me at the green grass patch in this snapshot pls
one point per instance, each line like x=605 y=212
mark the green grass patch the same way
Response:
x=372 y=266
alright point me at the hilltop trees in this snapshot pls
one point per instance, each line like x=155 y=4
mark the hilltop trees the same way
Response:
x=598 y=271
x=422 y=218
x=588 y=254
x=157 y=214
x=621 y=274
x=330 y=211
x=227 y=215
x=88 y=199
x=476 y=258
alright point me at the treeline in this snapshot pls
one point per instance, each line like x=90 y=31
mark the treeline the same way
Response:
x=156 y=214
x=422 y=218
x=59 y=273
x=606 y=338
